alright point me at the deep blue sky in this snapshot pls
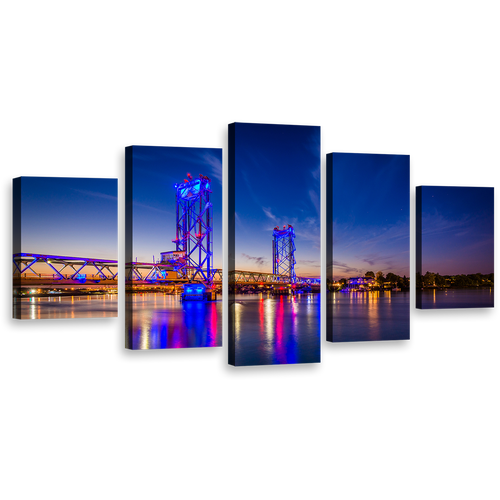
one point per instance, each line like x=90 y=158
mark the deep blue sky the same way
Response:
x=457 y=230
x=72 y=217
x=155 y=172
x=277 y=182
x=371 y=214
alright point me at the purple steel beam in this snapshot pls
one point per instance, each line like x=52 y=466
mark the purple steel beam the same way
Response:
x=27 y=267
x=71 y=262
x=76 y=272
x=61 y=257
x=57 y=272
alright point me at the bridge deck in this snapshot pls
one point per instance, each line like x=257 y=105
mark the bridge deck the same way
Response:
x=68 y=270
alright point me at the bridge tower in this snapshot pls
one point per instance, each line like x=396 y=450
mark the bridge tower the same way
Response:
x=284 y=253
x=194 y=229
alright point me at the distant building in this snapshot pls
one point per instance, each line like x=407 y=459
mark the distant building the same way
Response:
x=360 y=283
x=172 y=257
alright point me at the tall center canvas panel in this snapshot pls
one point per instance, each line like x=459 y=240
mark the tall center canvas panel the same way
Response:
x=274 y=244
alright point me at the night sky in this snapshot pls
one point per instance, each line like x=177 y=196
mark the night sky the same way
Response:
x=155 y=172
x=71 y=217
x=371 y=214
x=457 y=230
x=277 y=182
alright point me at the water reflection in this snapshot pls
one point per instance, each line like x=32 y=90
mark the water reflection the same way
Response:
x=161 y=321
x=379 y=315
x=66 y=307
x=456 y=298
x=276 y=330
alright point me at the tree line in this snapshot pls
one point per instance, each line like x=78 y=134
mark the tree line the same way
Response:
x=429 y=279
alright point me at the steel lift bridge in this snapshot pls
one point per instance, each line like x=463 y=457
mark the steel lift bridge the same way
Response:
x=284 y=254
x=64 y=268
x=194 y=229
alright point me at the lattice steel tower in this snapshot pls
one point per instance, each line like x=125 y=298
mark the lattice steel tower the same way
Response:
x=194 y=229
x=284 y=253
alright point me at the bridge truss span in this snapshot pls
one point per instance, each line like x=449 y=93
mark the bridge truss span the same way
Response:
x=258 y=278
x=64 y=268
x=284 y=253
x=194 y=228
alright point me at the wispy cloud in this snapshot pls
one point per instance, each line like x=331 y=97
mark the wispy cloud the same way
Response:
x=313 y=195
x=149 y=207
x=372 y=248
x=311 y=235
x=257 y=260
x=313 y=144
x=437 y=223
x=215 y=164
x=316 y=173
x=237 y=218
x=96 y=194
x=344 y=267
x=365 y=239
x=270 y=215
x=375 y=259
x=250 y=189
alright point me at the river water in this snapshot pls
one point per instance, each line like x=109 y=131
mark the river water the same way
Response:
x=72 y=307
x=363 y=316
x=456 y=298
x=276 y=330
x=161 y=321
x=268 y=330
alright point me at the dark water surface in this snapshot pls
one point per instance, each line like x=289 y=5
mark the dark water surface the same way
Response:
x=269 y=330
x=161 y=321
x=276 y=330
x=453 y=298
x=57 y=307
x=358 y=316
